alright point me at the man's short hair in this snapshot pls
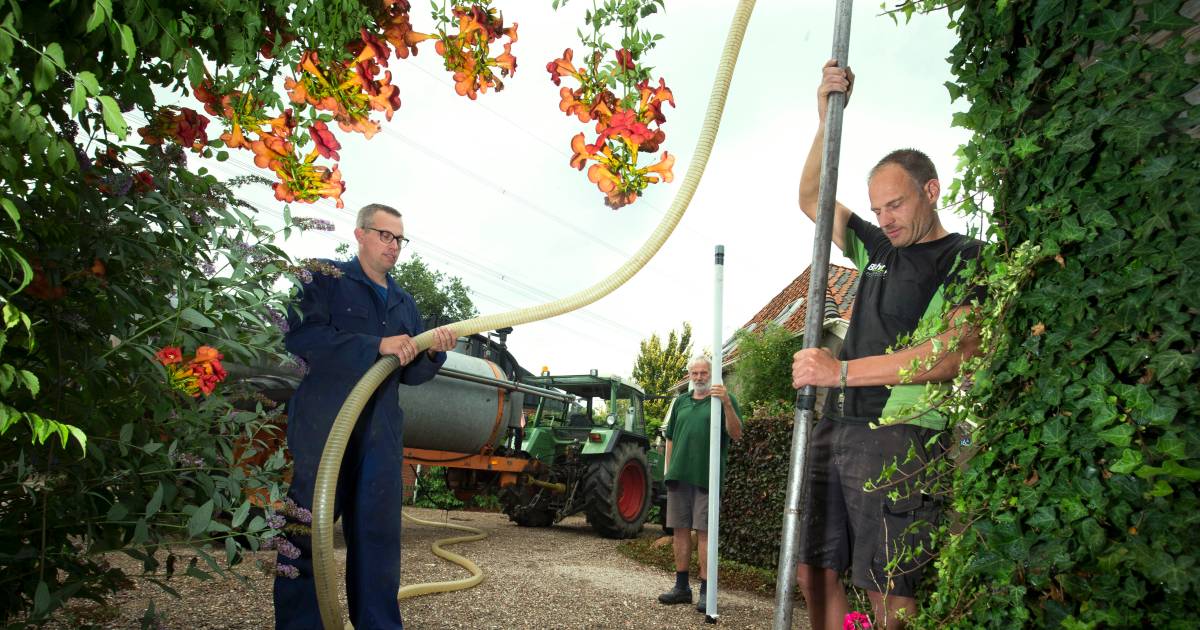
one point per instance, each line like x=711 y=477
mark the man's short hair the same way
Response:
x=700 y=358
x=369 y=210
x=918 y=165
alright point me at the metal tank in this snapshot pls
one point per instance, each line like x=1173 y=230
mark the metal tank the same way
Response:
x=467 y=408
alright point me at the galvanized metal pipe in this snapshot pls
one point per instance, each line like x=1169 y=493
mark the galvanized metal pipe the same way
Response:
x=714 y=438
x=785 y=585
x=511 y=386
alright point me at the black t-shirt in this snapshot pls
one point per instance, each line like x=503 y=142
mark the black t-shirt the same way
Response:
x=898 y=288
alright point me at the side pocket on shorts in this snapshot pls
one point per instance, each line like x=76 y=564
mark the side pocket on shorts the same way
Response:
x=907 y=523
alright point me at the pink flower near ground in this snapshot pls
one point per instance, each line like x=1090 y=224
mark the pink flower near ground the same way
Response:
x=856 y=621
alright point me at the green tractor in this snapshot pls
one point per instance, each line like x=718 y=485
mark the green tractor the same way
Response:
x=595 y=457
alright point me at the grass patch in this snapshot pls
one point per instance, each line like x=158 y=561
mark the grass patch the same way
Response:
x=733 y=575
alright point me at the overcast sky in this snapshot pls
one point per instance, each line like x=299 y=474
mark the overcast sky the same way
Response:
x=488 y=195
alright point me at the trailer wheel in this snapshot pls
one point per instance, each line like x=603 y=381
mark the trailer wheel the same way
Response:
x=618 y=492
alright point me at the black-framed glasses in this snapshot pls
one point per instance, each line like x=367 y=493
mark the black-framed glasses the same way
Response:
x=387 y=237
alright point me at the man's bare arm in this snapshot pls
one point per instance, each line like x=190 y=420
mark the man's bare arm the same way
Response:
x=833 y=79
x=937 y=360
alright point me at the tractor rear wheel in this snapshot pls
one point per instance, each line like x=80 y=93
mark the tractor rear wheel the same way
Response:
x=618 y=492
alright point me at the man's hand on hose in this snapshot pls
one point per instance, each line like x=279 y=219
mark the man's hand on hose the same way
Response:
x=444 y=340
x=833 y=79
x=402 y=346
x=816 y=367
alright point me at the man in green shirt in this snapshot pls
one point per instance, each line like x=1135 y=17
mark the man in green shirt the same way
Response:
x=687 y=472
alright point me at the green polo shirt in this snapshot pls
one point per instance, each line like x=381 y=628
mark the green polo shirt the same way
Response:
x=688 y=432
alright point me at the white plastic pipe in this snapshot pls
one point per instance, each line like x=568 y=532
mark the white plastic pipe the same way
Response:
x=714 y=440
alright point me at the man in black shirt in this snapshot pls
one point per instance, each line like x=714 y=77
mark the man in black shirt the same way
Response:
x=881 y=406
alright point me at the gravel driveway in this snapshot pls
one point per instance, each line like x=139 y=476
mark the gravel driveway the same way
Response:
x=535 y=578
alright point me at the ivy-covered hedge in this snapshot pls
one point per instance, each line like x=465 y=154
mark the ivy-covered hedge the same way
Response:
x=753 y=492
x=1082 y=500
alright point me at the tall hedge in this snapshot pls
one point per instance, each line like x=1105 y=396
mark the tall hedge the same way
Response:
x=753 y=492
x=1082 y=500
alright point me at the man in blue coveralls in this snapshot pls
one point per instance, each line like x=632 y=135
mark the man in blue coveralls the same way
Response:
x=340 y=325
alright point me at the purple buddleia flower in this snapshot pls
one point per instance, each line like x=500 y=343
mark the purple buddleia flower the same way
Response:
x=278 y=319
x=301 y=365
x=243 y=248
x=297 y=513
x=85 y=162
x=270 y=543
x=287 y=549
x=288 y=571
x=118 y=183
x=276 y=521
x=311 y=223
x=305 y=276
x=208 y=269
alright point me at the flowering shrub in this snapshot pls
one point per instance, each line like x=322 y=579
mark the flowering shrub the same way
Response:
x=113 y=247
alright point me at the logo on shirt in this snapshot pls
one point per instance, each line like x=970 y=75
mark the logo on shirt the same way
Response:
x=877 y=269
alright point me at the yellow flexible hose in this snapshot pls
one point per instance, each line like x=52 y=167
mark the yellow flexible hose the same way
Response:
x=415 y=590
x=335 y=445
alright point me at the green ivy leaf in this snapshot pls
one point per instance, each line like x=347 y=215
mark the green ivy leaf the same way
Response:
x=1129 y=461
x=1168 y=362
x=1175 y=469
x=1118 y=435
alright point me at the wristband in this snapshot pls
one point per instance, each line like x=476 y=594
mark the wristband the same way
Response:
x=845 y=371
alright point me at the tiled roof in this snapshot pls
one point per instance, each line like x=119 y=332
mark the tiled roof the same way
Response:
x=788 y=308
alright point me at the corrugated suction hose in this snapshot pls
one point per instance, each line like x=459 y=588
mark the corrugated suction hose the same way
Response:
x=343 y=425
x=415 y=590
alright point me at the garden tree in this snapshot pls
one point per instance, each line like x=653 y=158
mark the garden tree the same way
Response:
x=127 y=274
x=658 y=367
x=440 y=298
x=764 y=366
x=1080 y=505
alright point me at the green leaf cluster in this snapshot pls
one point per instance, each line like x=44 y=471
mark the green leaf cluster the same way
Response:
x=1082 y=493
x=763 y=372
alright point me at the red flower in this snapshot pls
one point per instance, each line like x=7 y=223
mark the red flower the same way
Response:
x=190 y=128
x=562 y=66
x=327 y=144
x=169 y=355
x=625 y=59
x=203 y=92
x=143 y=182
x=372 y=48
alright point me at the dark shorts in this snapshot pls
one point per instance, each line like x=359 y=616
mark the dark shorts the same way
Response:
x=843 y=526
x=687 y=506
